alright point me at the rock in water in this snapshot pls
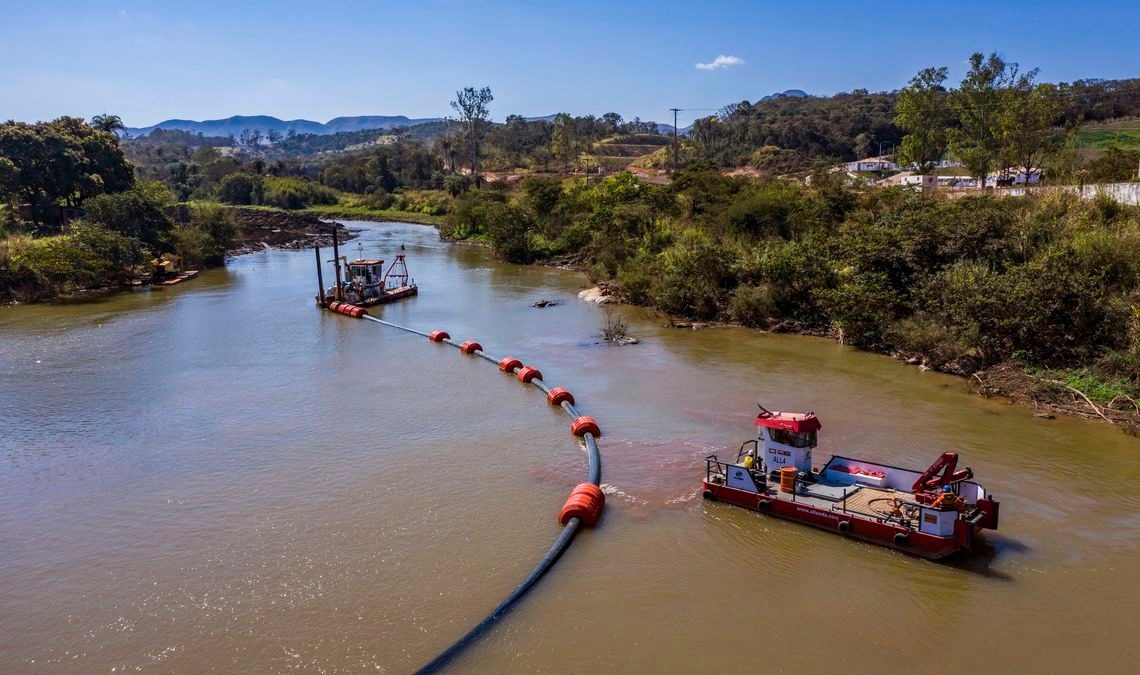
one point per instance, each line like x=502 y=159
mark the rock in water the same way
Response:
x=598 y=295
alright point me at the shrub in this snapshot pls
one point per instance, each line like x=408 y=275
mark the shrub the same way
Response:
x=242 y=188
x=695 y=277
x=210 y=232
x=379 y=200
x=139 y=212
x=751 y=306
x=89 y=256
x=924 y=336
x=863 y=307
x=296 y=193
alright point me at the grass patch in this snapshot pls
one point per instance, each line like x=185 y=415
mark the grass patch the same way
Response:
x=1097 y=387
x=1103 y=139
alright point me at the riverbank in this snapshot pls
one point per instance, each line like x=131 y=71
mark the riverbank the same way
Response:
x=357 y=212
x=263 y=228
x=108 y=268
x=1072 y=392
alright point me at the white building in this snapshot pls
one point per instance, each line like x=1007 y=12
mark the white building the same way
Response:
x=1018 y=177
x=872 y=164
x=927 y=181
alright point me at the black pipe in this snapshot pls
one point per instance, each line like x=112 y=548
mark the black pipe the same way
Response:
x=556 y=550
x=561 y=543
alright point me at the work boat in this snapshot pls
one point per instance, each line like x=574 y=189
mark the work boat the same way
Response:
x=364 y=285
x=933 y=513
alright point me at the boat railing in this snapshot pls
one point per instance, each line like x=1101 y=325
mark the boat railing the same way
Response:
x=755 y=448
x=714 y=467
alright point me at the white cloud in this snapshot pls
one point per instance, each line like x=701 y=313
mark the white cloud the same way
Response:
x=721 y=61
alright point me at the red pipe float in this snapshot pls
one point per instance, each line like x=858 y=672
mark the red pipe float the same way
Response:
x=559 y=394
x=529 y=373
x=585 y=503
x=509 y=364
x=584 y=425
x=347 y=309
x=439 y=336
x=470 y=347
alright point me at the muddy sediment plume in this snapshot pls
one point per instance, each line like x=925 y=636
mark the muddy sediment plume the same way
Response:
x=640 y=476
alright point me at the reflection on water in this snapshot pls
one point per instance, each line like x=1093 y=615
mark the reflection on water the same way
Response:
x=218 y=476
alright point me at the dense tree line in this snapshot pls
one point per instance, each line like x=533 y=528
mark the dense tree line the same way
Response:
x=62 y=162
x=125 y=221
x=964 y=283
x=993 y=102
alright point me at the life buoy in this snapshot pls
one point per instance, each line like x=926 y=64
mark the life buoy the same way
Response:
x=844 y=526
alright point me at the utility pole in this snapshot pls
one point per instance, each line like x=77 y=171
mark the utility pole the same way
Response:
x=675 y=111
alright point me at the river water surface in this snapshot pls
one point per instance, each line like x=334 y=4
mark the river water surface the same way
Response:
x=218 y=477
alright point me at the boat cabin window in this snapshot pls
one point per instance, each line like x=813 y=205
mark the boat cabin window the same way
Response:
x=804 y=439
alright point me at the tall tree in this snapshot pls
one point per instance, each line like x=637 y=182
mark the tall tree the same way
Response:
x=473 y=106
x=978 y=104
x=923 y=113
x=1029 y=123
x=64 y=160
x=250 y=137
x=109 y=123
x=564 y=143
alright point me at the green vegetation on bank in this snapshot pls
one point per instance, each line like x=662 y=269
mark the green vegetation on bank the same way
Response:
x=1049 y=284
x=961 y=283
x=77 y=218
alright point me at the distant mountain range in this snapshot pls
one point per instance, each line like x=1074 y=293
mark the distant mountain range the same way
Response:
x=787 y=93
x=238 y=123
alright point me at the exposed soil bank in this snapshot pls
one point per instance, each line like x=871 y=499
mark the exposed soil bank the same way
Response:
x=1052 y=397
x=263 y=228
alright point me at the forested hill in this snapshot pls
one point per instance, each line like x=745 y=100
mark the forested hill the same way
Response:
x=800 y=129
x=234 y=126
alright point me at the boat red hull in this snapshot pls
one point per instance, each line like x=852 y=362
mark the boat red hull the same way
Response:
x=849 y=524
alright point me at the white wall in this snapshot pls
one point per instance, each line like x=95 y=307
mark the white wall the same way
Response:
x=1125 y=193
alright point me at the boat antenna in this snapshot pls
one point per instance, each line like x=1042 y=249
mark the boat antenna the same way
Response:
x=763 y=408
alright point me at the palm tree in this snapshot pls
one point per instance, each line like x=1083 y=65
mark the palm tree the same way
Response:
x=108 y=123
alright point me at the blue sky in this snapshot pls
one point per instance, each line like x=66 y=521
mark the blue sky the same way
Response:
x=316 y=60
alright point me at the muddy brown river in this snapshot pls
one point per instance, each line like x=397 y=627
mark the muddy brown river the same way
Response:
x=218 y=477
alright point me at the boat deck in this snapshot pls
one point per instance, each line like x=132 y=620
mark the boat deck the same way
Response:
x=390 y=295
x=833 y=497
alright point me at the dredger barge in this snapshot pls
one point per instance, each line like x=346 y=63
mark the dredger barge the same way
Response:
x=933 y=513
x=364 y=284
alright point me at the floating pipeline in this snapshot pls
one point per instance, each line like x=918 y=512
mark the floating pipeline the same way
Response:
x=584 y=505
x=347 y=309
